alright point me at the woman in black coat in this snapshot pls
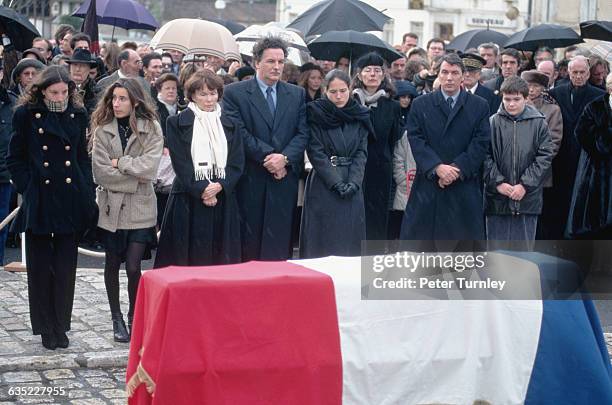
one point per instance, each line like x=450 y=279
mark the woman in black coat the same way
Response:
x=49 y=166
x=373 y=89
x=590 y=214
x=333 y=222
x=201 y=224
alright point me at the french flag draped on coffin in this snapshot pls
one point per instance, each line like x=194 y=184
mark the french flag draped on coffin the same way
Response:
x=298 y=333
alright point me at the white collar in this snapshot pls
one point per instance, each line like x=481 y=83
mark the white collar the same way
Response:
x=473 y=89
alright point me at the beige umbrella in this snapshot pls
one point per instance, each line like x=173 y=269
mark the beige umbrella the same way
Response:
x=198 y=37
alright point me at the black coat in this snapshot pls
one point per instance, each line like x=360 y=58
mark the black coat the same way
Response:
x=494 y=85
x=50 y=167
x=493 y=100
x=565 y=163
x=438 y=135
x=193 y=234
x=267 y=205
x=591 y=208
x=378 y=176
x=163 y=113
x=7 y=106
x=332 y=225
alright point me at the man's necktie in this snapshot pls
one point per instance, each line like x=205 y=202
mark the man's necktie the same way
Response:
x=450 y=102
x=270 y=100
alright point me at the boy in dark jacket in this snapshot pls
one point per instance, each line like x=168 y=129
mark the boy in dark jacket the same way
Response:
x=518 y=161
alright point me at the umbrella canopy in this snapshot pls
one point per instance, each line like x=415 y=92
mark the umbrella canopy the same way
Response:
x=551 y=35
x=247 y=38
x=126 y=14
x=596 y=30
x=198 y=37
x=18 y=28
x=232 y=26
x=603 y=49
x=330 y=15
x=473 y=38
x=351 y=44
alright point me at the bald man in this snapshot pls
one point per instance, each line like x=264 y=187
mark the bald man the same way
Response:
x=549 y=68
x=572 y=99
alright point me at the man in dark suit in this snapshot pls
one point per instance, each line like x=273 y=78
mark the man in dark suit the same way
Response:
x=510 y=64
x=572 y=98
x=130 y=64
x=449 y=134
x=271 y=116
x=471 y=80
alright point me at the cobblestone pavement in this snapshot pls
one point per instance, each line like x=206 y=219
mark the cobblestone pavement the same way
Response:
x=92 y=369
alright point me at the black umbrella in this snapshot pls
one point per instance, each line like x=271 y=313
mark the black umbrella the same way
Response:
x=596 y=30
x=473 y=38
x=330 y=15
x=232 y=26
x=550 y=35
x=351 y=44
x=18 y=28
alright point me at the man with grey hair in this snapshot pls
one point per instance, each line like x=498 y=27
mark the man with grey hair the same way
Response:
x=572 y=98
x=130 y=64
x=549 y=68
x=489 y=51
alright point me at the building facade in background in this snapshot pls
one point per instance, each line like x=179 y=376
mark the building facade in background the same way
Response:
x=433 y=18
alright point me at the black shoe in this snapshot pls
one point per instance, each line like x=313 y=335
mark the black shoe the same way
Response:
x=49 y=341
x=62 y=339
x=120 y=334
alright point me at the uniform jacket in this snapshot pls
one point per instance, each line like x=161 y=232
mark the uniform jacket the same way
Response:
x=266 y=204
x=49 y=166
x=547 y=106
x=494 y=85
x=521 y=153
x=439 y=135
x=488 y=95
x=125 y=194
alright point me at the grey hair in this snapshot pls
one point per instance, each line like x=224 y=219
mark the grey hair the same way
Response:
x=578 y=58
x=609 y=83
x=489 y=45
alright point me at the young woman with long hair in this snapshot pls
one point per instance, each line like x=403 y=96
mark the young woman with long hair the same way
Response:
x=127 y=144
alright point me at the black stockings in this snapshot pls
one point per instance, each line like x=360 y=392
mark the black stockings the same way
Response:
x=133 y=257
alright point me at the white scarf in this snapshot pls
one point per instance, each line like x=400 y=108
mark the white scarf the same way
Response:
x=208 y=144
x=369 y=100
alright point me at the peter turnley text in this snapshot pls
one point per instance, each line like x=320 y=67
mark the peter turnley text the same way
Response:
x=435 y=284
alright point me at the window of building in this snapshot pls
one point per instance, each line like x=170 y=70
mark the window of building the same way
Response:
x=444 y=31
x=417 y=28
x=415 y=4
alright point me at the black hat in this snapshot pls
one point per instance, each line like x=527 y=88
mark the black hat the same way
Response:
x=370 y=59
x=23 y=65
x=308 y=66
x=405 y=88
x=83 y=56
x=533 y=76
x=244 y=71
x=36 y=53
x=472 y=61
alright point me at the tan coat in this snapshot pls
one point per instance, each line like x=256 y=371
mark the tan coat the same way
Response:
x=125 y=194
x=554 y=120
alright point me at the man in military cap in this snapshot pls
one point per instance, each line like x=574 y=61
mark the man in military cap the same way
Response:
x=471 y=80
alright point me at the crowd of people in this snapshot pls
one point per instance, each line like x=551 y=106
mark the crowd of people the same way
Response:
x=231 y=162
